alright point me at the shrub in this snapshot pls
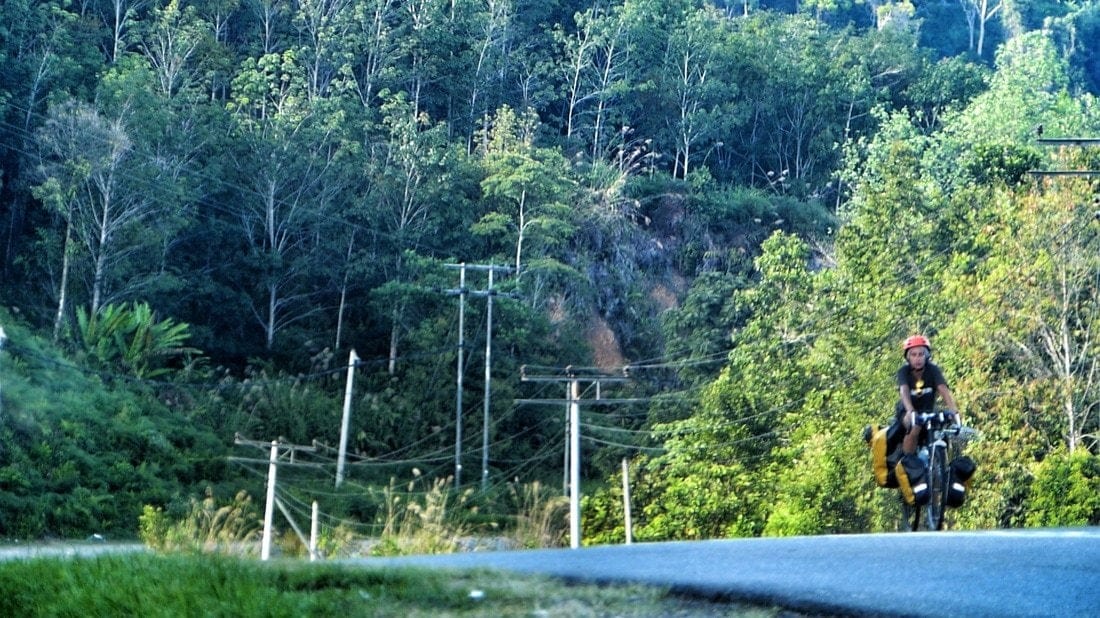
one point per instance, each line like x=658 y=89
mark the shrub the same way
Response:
x=1065 y=490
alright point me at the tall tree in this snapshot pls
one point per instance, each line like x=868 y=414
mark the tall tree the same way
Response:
x=377 y=47
x=979 y=13
x=725 y=448
x=87 y=162
x=578 y=48
x=120 y=17
x=408 y=184
x=1056 y=313
x=43 y=54
x=701 y=104
x=273 y=22
x=494 y=31
x=282 y=220
x=289 y=182
x=594 y=76
x=170 y=44
x=525 y=185
x=325 y=26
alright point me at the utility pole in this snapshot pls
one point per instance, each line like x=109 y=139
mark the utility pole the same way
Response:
x=488 y=371
x=573 y=380
x=344 y=421
x=488 y=293
x=574 y=464
x=3 y=340
x=269 y=505
x=628 y=524
x=272 y=470
x=461 y=364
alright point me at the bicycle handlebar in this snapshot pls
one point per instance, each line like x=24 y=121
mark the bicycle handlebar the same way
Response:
x=941 y=417
x=947 y=422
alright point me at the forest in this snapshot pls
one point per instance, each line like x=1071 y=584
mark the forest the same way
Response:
x=226 y=221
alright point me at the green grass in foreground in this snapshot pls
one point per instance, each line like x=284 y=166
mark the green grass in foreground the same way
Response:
x=205 y=585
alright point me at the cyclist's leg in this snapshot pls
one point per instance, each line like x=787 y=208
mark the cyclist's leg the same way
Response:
x=900 y=430
x=911 y=440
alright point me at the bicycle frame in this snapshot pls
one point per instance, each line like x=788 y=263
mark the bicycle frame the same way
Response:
x=937 y=439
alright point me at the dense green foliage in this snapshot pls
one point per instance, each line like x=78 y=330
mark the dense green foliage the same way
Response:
x=208 y=205
x=82 y=456
x=999 y=269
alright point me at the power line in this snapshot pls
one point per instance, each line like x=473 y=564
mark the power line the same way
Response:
x=1064 y=142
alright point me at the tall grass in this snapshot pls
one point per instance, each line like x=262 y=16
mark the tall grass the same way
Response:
x=208 y=527
x=417 y=517
x=422 y=523
x=541 y=518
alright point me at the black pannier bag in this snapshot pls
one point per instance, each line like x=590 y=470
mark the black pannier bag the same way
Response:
x=962 y=469
x=912 y=480
x=883 y=441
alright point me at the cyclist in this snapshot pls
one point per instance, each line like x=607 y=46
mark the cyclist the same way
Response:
x=919 y=381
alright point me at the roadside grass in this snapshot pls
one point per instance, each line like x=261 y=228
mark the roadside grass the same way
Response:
x=180 y=585
x=204 y=564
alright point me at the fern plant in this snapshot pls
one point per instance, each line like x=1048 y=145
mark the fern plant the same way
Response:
x=128 y=337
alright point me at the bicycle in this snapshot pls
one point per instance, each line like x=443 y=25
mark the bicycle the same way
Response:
x=940 y=442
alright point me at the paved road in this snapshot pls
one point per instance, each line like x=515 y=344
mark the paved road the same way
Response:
x=67 y=549
x=971 y=574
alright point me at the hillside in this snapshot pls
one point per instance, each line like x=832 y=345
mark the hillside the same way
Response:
x=210 y=206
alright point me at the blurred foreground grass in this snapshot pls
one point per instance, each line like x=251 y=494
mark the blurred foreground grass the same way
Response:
x=213 y=585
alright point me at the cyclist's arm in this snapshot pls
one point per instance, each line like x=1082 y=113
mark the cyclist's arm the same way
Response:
x=949 y=401
x=907 y=401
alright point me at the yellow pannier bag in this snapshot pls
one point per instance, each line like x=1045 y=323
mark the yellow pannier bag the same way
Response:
x=882 y=441
x=912 y=479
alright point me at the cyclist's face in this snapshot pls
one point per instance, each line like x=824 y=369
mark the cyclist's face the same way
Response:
x=917 y=357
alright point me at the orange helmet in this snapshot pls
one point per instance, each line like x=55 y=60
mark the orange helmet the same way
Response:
x=914 y=342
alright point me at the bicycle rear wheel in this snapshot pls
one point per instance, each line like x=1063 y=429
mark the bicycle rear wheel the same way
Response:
x=937 y=484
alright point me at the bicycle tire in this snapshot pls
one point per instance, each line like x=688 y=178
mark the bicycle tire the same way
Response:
x=937 y=483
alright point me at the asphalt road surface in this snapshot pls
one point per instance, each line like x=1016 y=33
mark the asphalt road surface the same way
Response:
x=67 y=549
x=970 y=574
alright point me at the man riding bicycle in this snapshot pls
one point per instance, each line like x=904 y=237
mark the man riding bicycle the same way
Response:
x=919 y=381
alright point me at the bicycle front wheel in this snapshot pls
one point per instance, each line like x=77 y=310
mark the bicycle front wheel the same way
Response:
x=937 y=484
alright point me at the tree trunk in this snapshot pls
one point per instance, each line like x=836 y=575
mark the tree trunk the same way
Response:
x=392 y=367
x=62 y=293
x=522 y=225
x=272 y=308
x=344 y=293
